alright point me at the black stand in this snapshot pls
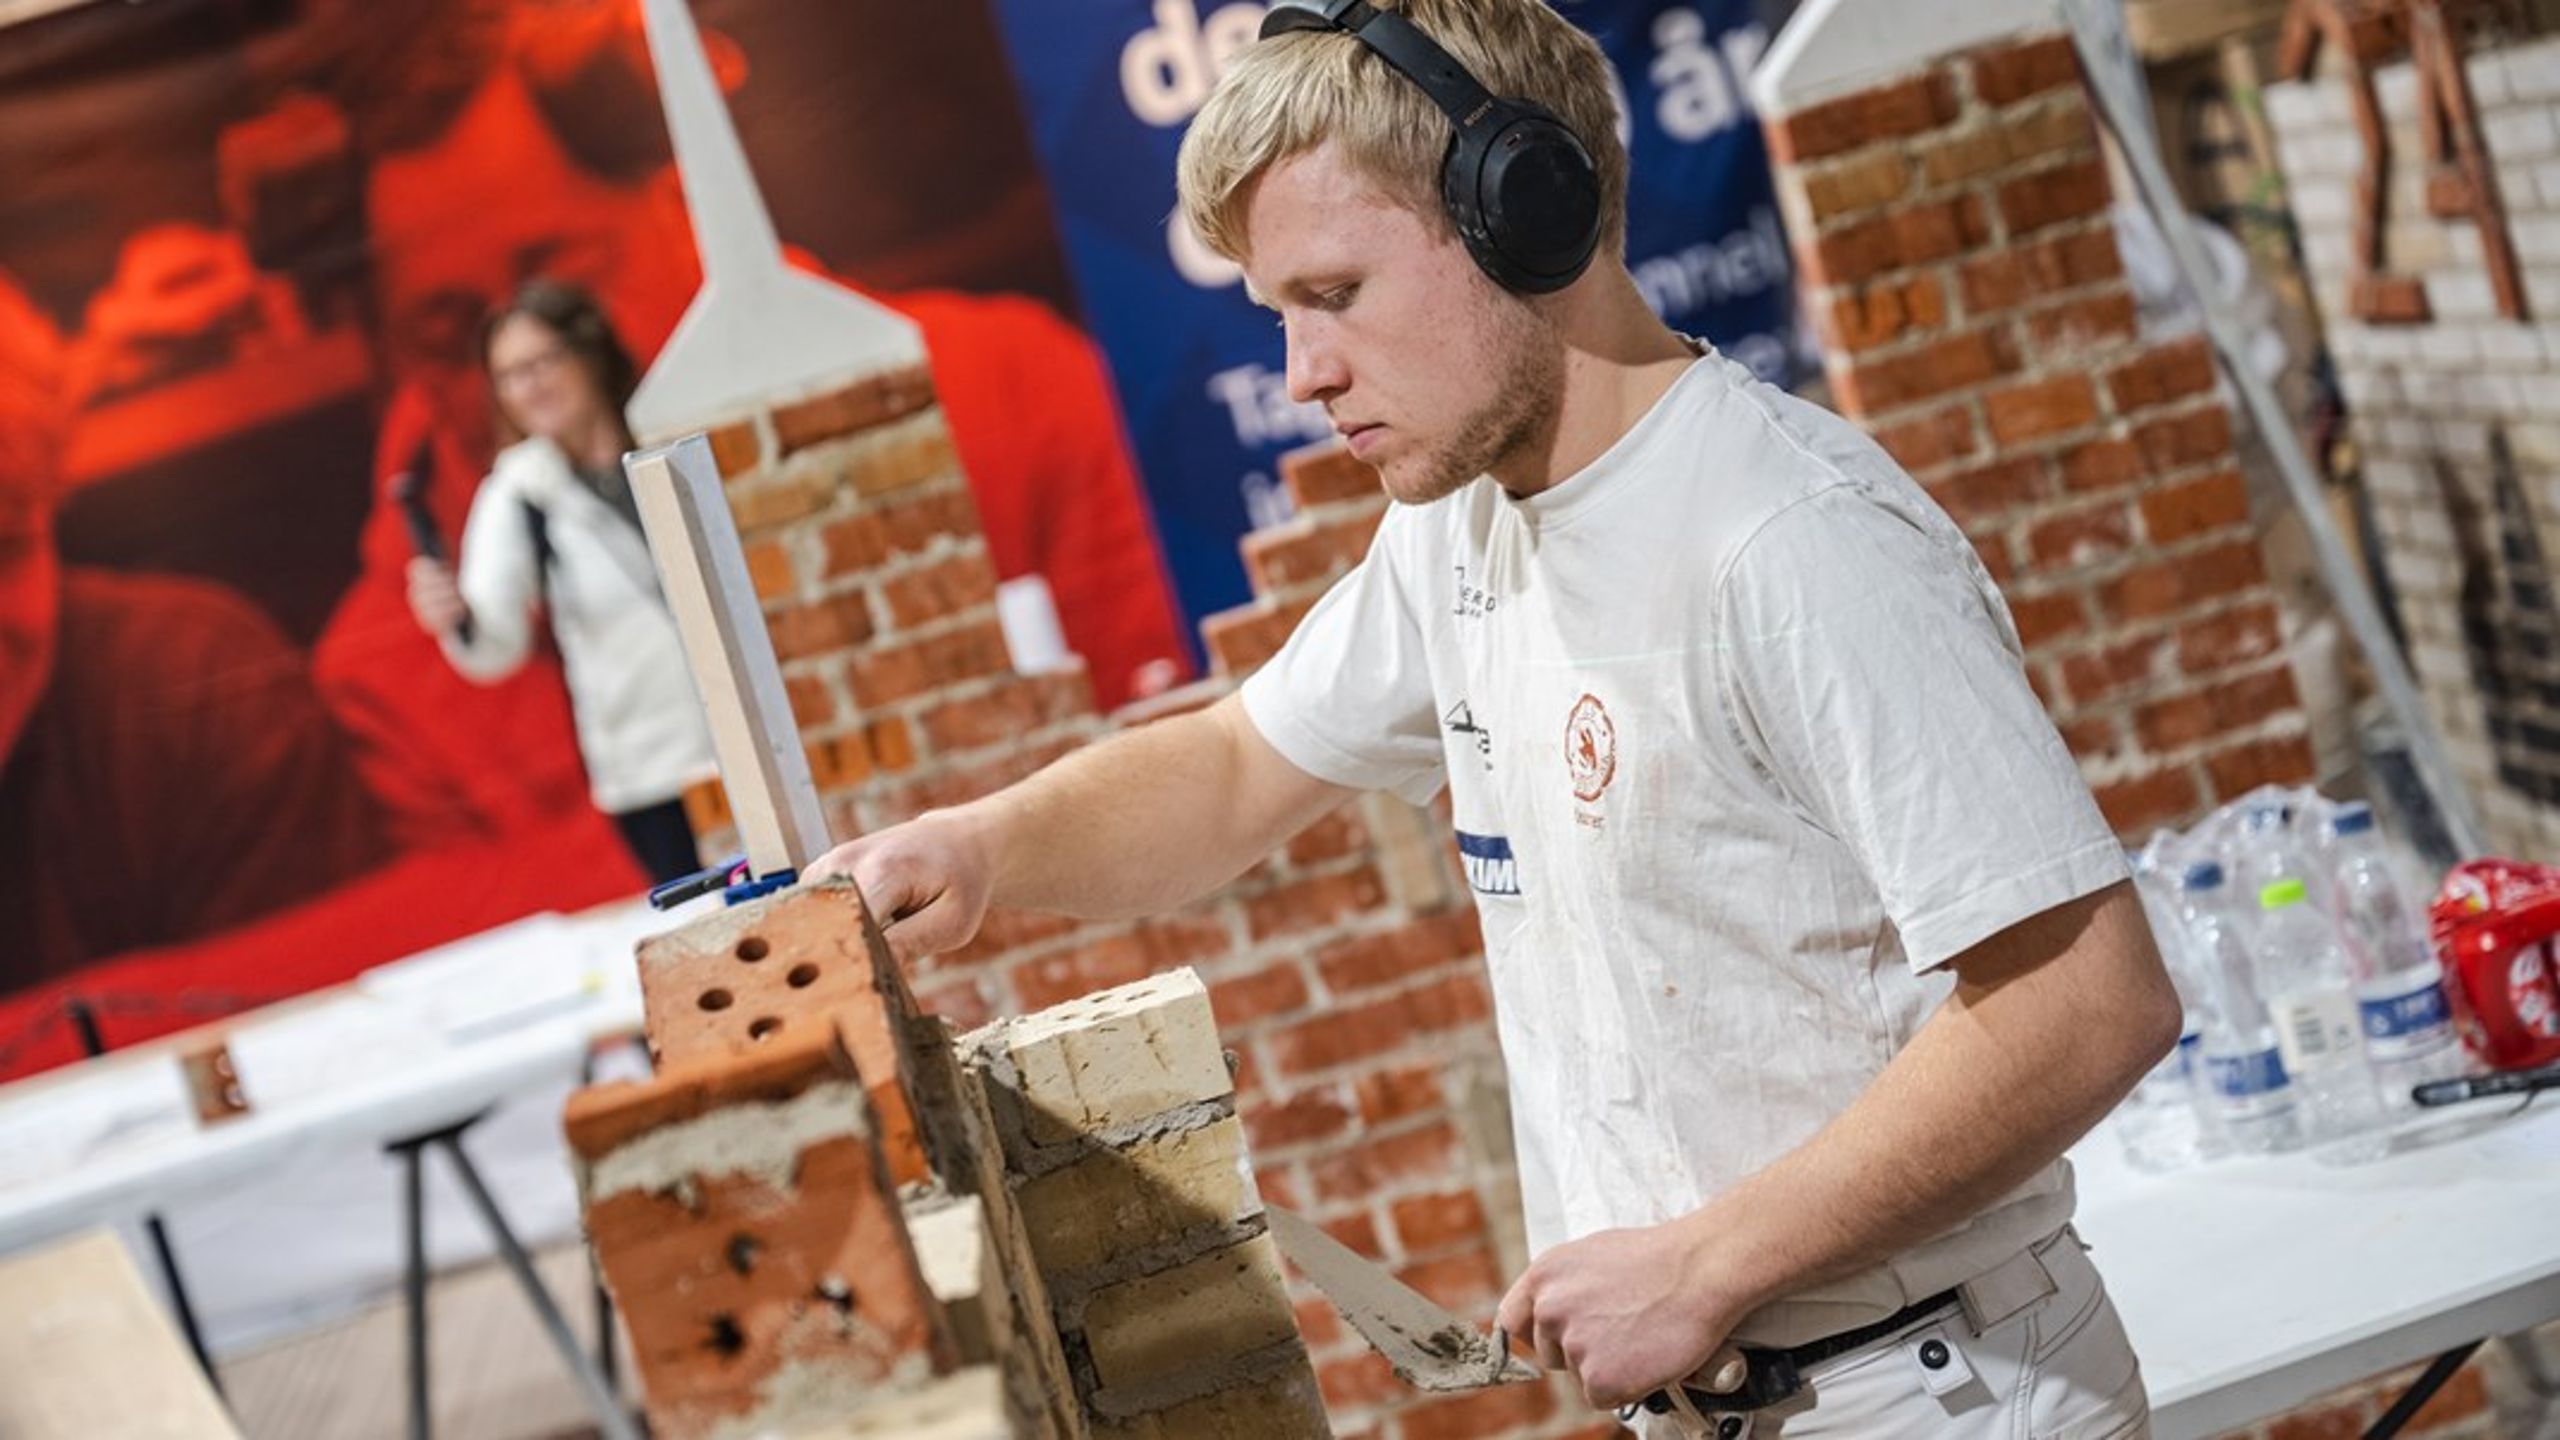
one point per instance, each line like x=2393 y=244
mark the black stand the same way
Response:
x=2420 y=1391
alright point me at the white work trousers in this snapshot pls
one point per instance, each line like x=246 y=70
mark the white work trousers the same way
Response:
x=2059 y=1369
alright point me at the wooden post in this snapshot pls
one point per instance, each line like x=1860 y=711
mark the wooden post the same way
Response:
x=704 y=572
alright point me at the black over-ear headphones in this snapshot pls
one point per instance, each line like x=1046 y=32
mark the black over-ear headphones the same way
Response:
x=1520 y=188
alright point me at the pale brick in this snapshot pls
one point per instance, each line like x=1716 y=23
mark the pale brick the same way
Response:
x=2533 y=71
x=2462 y=295
x=2537 y=239
x=2510 y=345
x=2294 y=107
x=1287 y=1406
x=2322 y=203
x=2396 y=86
x=1157 y=1330
x=1116 y=1202
x=2521 y=134
x=2488 y=78
x=1114 y=1057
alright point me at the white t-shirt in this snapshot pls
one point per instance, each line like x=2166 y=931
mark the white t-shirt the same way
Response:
x=1739 y=750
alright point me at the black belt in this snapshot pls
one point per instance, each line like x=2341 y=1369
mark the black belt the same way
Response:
x=1773 y=1374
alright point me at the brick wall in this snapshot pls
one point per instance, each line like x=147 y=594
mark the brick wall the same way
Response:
x=1345 y=972
x=1958 y=261
x=2456 y=416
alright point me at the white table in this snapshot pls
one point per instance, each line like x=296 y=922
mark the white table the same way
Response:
x=2251 y=1286
x=410 y=1053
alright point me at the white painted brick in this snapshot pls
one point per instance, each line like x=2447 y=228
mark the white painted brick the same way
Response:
x=2528 y=133
x=2413 y=242
x=2462 y=245
x=2542 y=296
x=2396 y=343
x=2537 y=239
x=2533 y=71
x=2300 y=106
x=2511 y=345
x=2489 y=79
x=2546 y=188
x=2367 y=388
x=2468 y=439
x=2401 y=435
x=2461 y=295
x=2397 y=87
x=2442 y=346
x=2535 y=444
x=2391 y=479
x=2421 y=574
x=2322 y=202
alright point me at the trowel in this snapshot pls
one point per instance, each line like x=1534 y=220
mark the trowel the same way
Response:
x=1429 y=1348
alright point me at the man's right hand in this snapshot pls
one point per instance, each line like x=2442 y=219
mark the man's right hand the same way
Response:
x=434 y=597
x=927 y=881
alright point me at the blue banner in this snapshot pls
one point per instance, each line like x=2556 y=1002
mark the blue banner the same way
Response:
x=1109 y=87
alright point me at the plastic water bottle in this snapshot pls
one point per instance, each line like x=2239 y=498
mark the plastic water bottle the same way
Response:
x=2266 y=851
x=2311 y=996
x=2247 y=1097
x=2163 y=1125
x=2408 y=1032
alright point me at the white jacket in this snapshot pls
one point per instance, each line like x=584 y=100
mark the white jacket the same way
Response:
x=640 y=725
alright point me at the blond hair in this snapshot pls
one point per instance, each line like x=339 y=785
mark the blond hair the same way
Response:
x=1288 y=94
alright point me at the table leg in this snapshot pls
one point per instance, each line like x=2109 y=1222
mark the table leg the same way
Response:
x=2420 y=1391
x=610 y=1418
x=413 y=1218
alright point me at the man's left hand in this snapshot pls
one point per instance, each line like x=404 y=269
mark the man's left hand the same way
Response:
x=1627 y=1311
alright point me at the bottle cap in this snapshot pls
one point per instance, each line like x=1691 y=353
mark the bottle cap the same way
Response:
x=2203 y=875
x=2353 y=818
x=2280 y=893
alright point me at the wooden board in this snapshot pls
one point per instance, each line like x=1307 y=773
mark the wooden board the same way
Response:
x=85 y=1351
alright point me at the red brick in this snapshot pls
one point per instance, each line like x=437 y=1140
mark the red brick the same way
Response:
x=2014 y=274
x=2081 y=538
x=821 y=627
x=1013 y=708
x=873 y=401
x=813 y=705
x=1005 y=931
x=1331 y=838
x=2003 y=77
x=2244 y=768
x=1306 y=551
x=1991 y=547
x=2235 y=637
x=736 y=449
x=2039 y=408
x=2334 y=1419
x=2181 y=368
x=1912 y=235
x=1932 y=440
x=2179 y=512
x=1859 y=183
x=893 y=745
x=839 y=762
x=1888 y=112
x=899 y=672
x=1470 y=1280
x=1394 y=1093
x=1425 y=1223
x=1363 y=1381
x=2101 y=465
x=2390 y=300
x=2042 y=619
x=770 y=571
x=2060 y=331
x=1366 y=961
x=1502 y=1410
x=2109 y=670
x=1308 y=1117
x=1322 y=1328
x=940 y=590
x=1386 y=1163
x=2462 y=1397
x=2070 y=191
x=1313 y=904
x=1279 y=988
x=1327 y=474
x=1178 y=940
x=1873 y=386
x=1986 y=491
x=2160 y=798
x=1239 y=640
x=2092 y=736
x=2200 y=436
x=963 y=1002
x=2166 y=586
x=1062 y=975
x=706 y=806
x=1344 y=1034
x=770 y=501
x=2176 y=723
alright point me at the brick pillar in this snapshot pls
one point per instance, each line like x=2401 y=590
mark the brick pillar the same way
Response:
x=2456 y=417
x=1956 y=255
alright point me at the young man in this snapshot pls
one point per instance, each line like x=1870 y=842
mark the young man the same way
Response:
x=1813 y=954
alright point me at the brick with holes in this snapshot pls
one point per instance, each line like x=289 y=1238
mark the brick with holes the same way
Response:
x=736 y=981
x=750 y=1229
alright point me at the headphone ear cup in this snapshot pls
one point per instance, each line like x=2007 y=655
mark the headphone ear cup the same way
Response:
x=1538 y=194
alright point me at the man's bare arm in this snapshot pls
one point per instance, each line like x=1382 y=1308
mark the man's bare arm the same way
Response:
x=1142 y=822
x=2051 y=1023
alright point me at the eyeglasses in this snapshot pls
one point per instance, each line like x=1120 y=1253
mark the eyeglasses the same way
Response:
x=541 y=362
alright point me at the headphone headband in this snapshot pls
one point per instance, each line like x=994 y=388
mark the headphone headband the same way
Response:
x=1516 y=182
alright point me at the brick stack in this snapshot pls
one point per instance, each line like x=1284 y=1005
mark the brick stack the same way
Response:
x=1345 y=972
x=1952 y=230
x=2457 y=414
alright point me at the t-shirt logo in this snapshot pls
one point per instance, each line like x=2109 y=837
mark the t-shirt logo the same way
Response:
x=1590 y=748
x=1491 y=869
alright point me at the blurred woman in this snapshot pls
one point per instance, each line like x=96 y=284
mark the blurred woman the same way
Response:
x=554 y=529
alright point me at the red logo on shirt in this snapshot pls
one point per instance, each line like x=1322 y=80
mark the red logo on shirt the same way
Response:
x=1590 y=748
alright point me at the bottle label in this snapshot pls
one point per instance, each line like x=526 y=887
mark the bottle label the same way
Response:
x=2249 y=1085
x=2316 y=1029
x=2408 y=1025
